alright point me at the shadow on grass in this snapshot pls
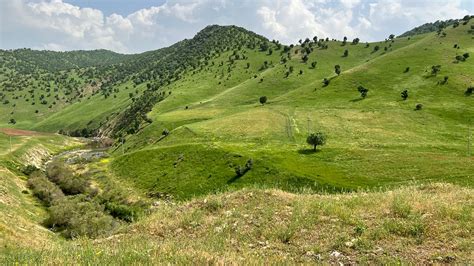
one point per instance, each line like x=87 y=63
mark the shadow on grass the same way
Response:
x=307 y=151
x=356 y=100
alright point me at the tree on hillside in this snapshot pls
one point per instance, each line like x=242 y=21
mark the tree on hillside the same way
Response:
x=325 y=82
x=391 y=36
x=435 y=69
x=418 y=107
x=355 y=41
x=469 y=91
x=337 y=69
x=305 y=58
x=376 y=48
x=407 y=69
x=263 y=100
x=12 y=121
x=404 y=94
x=316 y=139
x=313 y=64
x=315 y=38
x=344 y=41
x=363 y=91
x=346 y=53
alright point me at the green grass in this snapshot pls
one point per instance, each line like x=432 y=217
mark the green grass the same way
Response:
x=377 y=141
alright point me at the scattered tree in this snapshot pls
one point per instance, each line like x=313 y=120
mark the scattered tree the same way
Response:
x=316 y=139
x=469 y=91
x=435 y=69
x=404 y=94
x=363 y=91
x=419 y=107
x=325 y=82
x=407 y=69
x=263 y=100
x=346 y=53
x=337 y=69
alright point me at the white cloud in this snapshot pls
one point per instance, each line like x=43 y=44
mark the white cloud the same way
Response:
x=54 y=24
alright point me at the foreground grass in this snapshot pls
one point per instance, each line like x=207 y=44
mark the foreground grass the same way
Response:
x=415 y=224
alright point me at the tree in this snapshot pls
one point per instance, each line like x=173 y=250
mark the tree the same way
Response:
x=337 y=69
x=407 y=69
x=346 y=53
x=12 y=121
x=376 y=48
x=325 y=82
x=363 y=91
x=263 y=100
x=404 y=94
x=466 y=55
x=391 y=36
x=435 y=69
x=355 y=41
x=313 y=64
x=419 y=107
x=469 y=91
x=305 y=58
x=316 y=139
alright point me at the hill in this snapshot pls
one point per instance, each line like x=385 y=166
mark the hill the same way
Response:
x=196 y=155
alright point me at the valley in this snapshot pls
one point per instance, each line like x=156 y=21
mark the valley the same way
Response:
x=197 y=167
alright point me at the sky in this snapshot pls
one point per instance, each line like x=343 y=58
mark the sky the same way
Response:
x=133 y=26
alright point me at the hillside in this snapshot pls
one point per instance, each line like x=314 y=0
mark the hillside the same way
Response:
x=184 y=160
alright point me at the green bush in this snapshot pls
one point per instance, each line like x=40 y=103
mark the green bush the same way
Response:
x=66 y=180
x=44 y=189
x=76 y=216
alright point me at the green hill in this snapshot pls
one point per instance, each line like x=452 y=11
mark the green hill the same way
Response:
x=186 y=122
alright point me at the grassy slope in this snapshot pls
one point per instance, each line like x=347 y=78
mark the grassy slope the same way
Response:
x=376 y=141
x=22 y=213
x=414 y=224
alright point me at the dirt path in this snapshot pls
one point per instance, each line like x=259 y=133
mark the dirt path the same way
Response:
x=20 y=132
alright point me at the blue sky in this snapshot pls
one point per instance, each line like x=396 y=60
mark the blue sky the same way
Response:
x=131 y=26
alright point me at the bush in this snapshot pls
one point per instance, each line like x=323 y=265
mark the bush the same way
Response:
x=325 y=82
x=363 y=91
x=404 y=94
x=242 y=170
x=65 y=179
x=469 y=91
x=75 y=216
x=419 y=107
x=29 y=169
x=263 y=100
x=44 y=189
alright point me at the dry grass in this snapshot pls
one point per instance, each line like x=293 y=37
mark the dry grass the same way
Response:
x=416 y=224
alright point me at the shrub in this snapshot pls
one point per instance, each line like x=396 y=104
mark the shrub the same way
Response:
x=316 y=139
x=404 y=94
x=435 y=69
x=75 y=216
x=263 y=100
x=241 y=170
x=419 y=107
x=29 y=169
x=363 y=91
x=326 y=82
x=65 y=179
x=469 y=91
x=44 y=189
x=337 y=69
x=407 y=69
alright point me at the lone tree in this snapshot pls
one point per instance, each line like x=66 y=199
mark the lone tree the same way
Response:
x=435 y=69
x=418 y=107
x=346 y=53
x=337 y=69
x=325 y=82
x=313 y=64
x=404 y=94
x=263 y=100
x=316 y=139
x=363 y=91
